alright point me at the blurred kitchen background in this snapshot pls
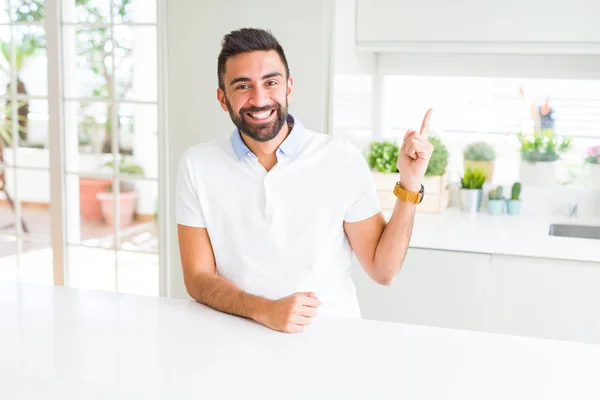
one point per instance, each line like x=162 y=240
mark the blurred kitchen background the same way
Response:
x=89 y=85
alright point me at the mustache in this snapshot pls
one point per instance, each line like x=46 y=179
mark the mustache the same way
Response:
x=259 y=109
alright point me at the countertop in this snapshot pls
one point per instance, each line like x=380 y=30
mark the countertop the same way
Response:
x=64 y=343
x=520 y=235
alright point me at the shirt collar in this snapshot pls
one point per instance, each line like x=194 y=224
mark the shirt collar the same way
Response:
x=289 y=146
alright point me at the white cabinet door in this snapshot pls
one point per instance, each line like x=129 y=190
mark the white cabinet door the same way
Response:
x=545 y=298
x=495 y=24
x=436 y=288
x=542 y=21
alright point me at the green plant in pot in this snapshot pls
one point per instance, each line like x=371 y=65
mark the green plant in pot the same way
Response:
x=127 y=195
x=480 y=154
x=496 y=201
x=439 y=158
x=383 y=156
x=539 y=153
x=471 y=191
x=513 y=205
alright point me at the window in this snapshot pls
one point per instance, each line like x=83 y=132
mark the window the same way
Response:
x=495 y=110
x=110 y=147
x=468 y=109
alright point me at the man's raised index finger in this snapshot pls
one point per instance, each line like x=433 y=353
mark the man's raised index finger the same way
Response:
x=425 y=124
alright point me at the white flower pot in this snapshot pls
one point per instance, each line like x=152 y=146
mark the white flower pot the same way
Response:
x=593 y=176
x=539 y=174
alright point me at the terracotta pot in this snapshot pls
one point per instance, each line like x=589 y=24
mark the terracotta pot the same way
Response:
x=126 y=207
x=89 y=205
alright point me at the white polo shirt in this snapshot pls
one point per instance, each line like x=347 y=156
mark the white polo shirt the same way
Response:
x=280 y=232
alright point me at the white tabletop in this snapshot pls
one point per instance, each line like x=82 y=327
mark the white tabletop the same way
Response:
x=61 y=343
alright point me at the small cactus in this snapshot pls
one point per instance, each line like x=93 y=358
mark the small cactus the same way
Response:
x=516 y=191
x=496 y=194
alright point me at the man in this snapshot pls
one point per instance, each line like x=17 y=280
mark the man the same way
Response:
x=269 y=217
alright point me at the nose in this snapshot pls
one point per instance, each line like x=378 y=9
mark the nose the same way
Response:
x=259 y=97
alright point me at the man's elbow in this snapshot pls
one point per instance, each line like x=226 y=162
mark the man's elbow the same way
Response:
x=385 y=275
x=386 y=280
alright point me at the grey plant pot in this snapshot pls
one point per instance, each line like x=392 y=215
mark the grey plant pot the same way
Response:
x=470 y=200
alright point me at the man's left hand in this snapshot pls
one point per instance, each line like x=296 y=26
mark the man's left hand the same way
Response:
x=414 y=156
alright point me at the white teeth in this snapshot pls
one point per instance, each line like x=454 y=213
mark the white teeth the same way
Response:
x=261 y=115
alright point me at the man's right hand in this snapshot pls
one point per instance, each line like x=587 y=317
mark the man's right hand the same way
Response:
x=291 y=313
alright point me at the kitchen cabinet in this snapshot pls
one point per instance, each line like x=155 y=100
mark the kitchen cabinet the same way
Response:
x=545 y=298
x=484 y=26
x=436 y=288
x=526 y=296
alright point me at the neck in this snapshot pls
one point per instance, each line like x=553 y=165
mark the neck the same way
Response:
x=266 y=150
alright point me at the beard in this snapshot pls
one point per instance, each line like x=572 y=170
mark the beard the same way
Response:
x=259 y=131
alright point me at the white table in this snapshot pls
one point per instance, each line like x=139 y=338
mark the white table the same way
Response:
x=61 y=343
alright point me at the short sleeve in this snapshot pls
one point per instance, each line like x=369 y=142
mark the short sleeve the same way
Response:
x=188 y=208
x=364 y=202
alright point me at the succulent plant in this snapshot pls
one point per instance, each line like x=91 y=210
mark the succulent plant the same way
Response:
x=473 y=178
x=516 y=191
x=496 y=194
x=479 y=151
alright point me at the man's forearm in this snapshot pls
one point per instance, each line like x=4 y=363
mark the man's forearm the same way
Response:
x=392 y=246
x=223 y=295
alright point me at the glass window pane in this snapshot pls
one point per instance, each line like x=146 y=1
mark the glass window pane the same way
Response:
x=136 y=63
x=86 y=220
x=32 y=150
x=6 y=131
x=138 y=213
x=138 y=273
x=27 y=10
x=7 y=203
x=35 y=261
x=91 y=268
x=4 y=14
x=88 y=11
x=31 y=62
x=87 y=62
x=33 y=188
x=88 y=136
x=8 y=256
x=138 y=139
x=5 y=57
x=134 y=11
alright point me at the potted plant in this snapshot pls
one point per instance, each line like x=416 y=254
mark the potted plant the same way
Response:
x=496 y=201
x=437 y=178
x=480 y=154
x=472 y=189
x=592 y=162
x=383 y=159
x=539 y=153
x=513 y=205
x=127 y=196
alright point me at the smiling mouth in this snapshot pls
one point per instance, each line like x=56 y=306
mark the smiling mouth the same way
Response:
x=261 y=116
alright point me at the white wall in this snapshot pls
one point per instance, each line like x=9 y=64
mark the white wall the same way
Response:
x=194 y=34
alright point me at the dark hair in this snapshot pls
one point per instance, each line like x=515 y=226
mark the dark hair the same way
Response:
x=244 y=40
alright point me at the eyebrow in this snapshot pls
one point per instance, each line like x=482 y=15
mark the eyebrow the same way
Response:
x=245 y=79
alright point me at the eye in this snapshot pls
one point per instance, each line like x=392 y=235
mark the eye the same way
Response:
x=271 y=83
x=242 y=87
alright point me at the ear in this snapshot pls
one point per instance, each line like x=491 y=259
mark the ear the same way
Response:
x=221 y=99
x=290 y=85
